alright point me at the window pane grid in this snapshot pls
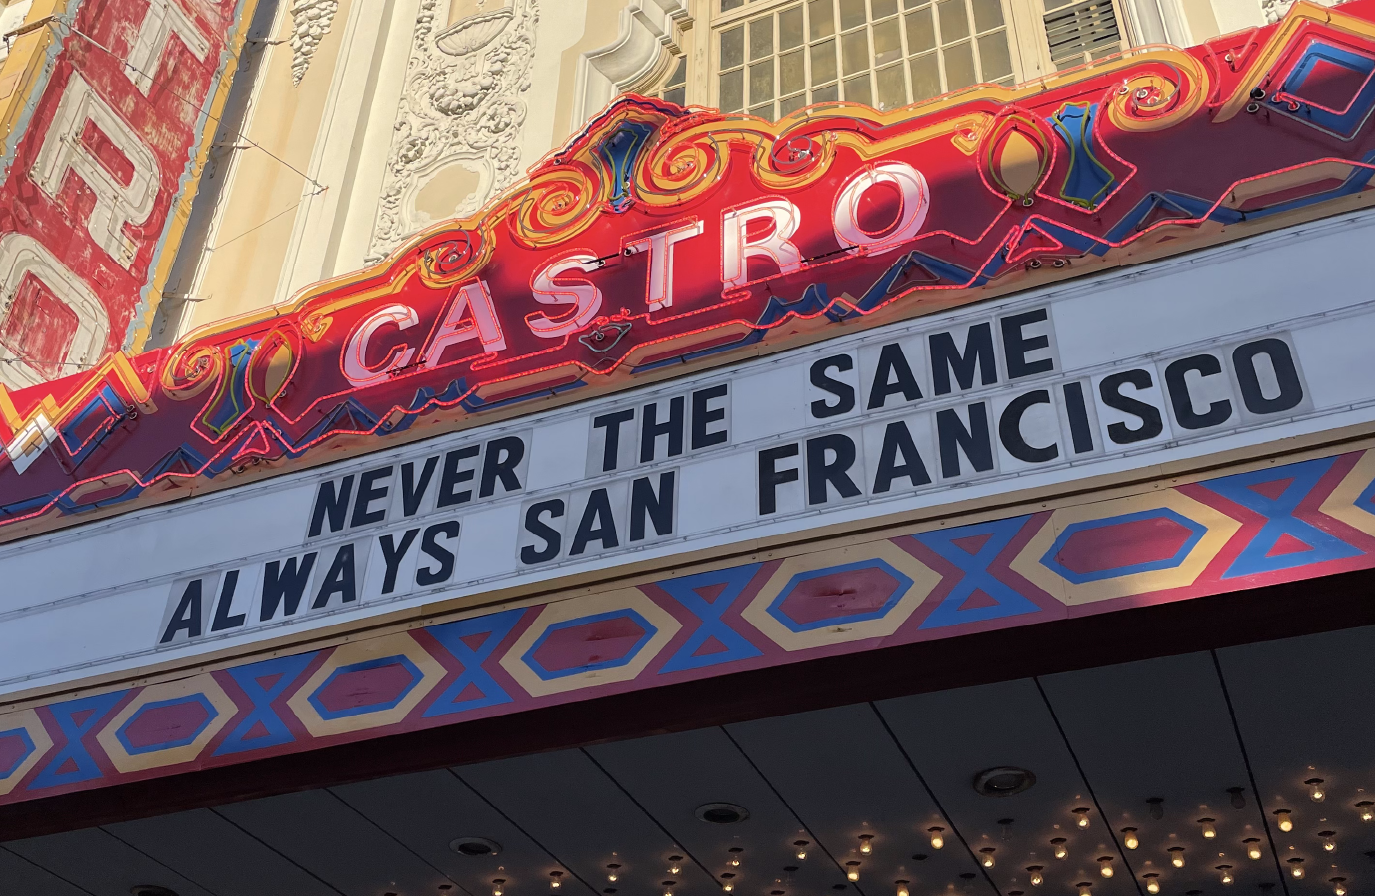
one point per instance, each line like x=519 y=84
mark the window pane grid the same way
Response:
x=885 y=53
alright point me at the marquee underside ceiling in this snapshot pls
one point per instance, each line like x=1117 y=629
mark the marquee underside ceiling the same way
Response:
x=1230 y=735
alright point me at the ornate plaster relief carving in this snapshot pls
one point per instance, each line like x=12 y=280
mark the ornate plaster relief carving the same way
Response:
x=650 y=32
x=311 y=20
x=461 y=105
x=1275 y=9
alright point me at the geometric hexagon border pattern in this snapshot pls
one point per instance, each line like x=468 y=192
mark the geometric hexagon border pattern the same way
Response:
x=1260 y=527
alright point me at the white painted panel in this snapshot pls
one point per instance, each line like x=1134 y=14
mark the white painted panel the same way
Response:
x=774 y=446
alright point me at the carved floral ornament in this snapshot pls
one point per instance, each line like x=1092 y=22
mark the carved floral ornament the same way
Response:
x=310 y=22
x=660 y=236
x=461 y=106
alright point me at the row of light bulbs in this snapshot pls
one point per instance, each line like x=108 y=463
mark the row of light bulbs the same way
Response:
x=1208 y=828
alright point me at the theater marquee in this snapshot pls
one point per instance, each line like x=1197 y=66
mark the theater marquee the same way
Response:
x=1117 y=375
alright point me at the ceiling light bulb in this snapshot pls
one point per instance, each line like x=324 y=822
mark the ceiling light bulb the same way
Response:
x=673 y=866
x=1037 y=878
x=801 y=849
x=1328 y=843
x=852 y=871
x=1226 y=873
x=1285 y=823
x=937 y=837
x=1177 y=856
x=1315 y=790
x=987 y=856
x=866 y=844
x=1085 y=888
x=1083 y=814
x=496 y=885
x=1338 y=886
x=734 y=860
x=1152 y=883
x=554 y=882
x=1129 y=839
x=1209 y=827
x=1367 y=810
x=1296 y=869
x=1061 y=851
x=668 y=887
x=728 y=886
x=902 y=888
x=1105 y=866
x=727 y=882
x=1252 y=848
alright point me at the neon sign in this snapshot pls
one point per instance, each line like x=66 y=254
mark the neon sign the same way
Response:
x=661 y=236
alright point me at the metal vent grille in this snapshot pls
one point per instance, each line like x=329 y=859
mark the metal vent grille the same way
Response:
x=1080 y=32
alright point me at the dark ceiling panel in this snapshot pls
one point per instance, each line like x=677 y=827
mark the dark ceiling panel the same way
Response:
x=1304 y=707
x=24 y=878
x=100 y=864
x=333 y=841
x=1160 y=730
x=672 y=775
x=430 y=810
x=210 y=850
x=954 y=736
x=580 y=816
x=843 y=775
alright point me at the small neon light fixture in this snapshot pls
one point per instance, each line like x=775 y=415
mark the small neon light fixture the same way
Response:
x=937 y=837
x=668 y=887
x=866 y=844
x=1176 y=856
x=1082 y=814
x=1296 y=868
x=1226 y=871
x=1316 y=793
x=852 y=871
x=1367 y=810
x=1152 y=882
x=1037 y=878
x=1252 y=845
x=1329 y=843
x=734 y=860
x=801 y=847
x=1129 y=838
x=727 y=881
x=901 y=888
x=554 y=882
x=1208 y=826
x=497 y=884
x=1338 y=886
x=1085 y=888
x=1285 y=823
x=1061 y=851
x=613 y=872
x=675 y=864
x=986 y=856
x=1105 y=866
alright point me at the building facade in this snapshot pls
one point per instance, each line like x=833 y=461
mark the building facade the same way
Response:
x=686 y=447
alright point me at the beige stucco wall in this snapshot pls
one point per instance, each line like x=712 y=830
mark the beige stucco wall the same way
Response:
x=248 y=239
